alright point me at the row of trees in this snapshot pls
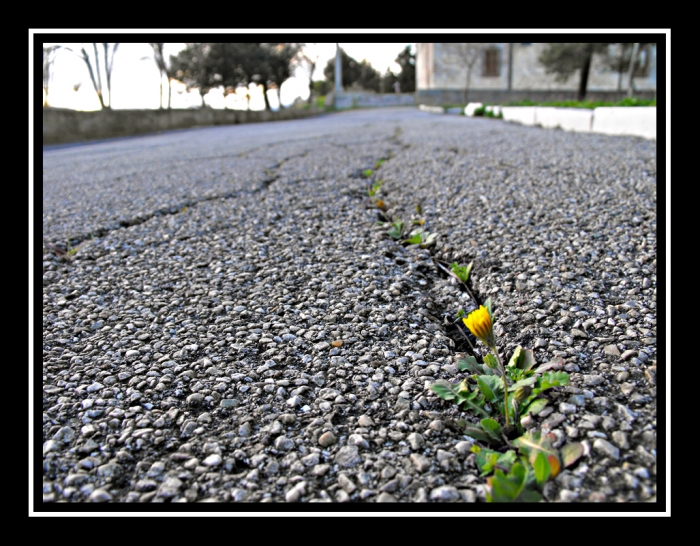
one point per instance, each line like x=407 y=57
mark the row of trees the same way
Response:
x=361 y=75
x=205 y=66
x=200 y=66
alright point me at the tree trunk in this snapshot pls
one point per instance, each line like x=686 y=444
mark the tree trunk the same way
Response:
x=99 y=77
x=160 y=104
x=620 y=65
x=170 y=91
x=267 y=101
x=465 y=94
x=585 y=69
x=633 y=62
x=279 y=98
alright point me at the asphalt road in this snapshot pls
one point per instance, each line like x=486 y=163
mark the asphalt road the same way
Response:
x=226 y=320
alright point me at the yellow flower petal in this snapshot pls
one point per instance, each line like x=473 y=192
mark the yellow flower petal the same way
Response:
x=479 y=324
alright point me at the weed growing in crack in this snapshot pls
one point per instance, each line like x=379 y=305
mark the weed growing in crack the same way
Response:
x=516 y=463
x=418 y=236
x=485 y=391
x=375 y=188
x=461 y=271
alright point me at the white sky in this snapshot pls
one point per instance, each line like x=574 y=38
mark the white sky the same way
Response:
x=136 y=80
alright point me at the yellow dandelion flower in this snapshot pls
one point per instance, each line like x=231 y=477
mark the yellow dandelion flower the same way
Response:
x=479 y=324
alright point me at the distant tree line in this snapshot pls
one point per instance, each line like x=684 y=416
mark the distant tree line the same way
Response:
x=362 y=76
x=205 y=66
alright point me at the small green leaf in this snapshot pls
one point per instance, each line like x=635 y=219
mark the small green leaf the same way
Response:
x=507 y=487
x=514 y=358
x=415 y=237
x=469 y=363
x=570 y=453
x=489 y=385
x=506 y=460
x=516 y=486
x=491 y=361
x=486 y=461
x=492 y=428
x=473 y=402
x=522 y=383
x=477 y=434
x=532 y=444
x=487 y=304
x=429 y=239
x=444 y=389
x=523 y=359
x=541 y=468
x=553 y=379
x=469 y=270
x=535 y=407
x=396 y=230
x=461 y=271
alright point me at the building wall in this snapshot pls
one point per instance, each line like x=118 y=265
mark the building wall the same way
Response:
x=440 y=67
x=424 y=66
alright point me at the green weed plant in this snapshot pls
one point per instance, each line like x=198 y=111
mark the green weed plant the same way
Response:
x=517 y=462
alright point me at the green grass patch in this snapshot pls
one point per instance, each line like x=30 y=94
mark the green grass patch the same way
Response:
x=627 y=101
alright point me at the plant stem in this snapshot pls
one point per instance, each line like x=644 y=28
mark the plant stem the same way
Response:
x=505 y=384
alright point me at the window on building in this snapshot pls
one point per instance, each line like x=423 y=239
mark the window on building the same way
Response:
x=492 y=62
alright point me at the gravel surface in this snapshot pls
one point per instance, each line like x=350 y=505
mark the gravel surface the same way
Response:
x=224 y=320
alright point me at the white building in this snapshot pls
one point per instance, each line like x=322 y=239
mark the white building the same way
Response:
x=501 y=72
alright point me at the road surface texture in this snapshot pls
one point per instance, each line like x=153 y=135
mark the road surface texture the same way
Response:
x=225 y=320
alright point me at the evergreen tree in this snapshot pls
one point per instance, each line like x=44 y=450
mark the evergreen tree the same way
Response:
x=407 y=77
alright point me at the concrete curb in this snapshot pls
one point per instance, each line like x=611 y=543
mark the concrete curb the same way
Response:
x=610 y=120
x=431 y=109
x=637 y=120
x=568 y=119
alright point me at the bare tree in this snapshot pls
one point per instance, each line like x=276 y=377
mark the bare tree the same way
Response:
x=165 y=70
x=467 y=56
x=48 y=57
x=93 y=66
